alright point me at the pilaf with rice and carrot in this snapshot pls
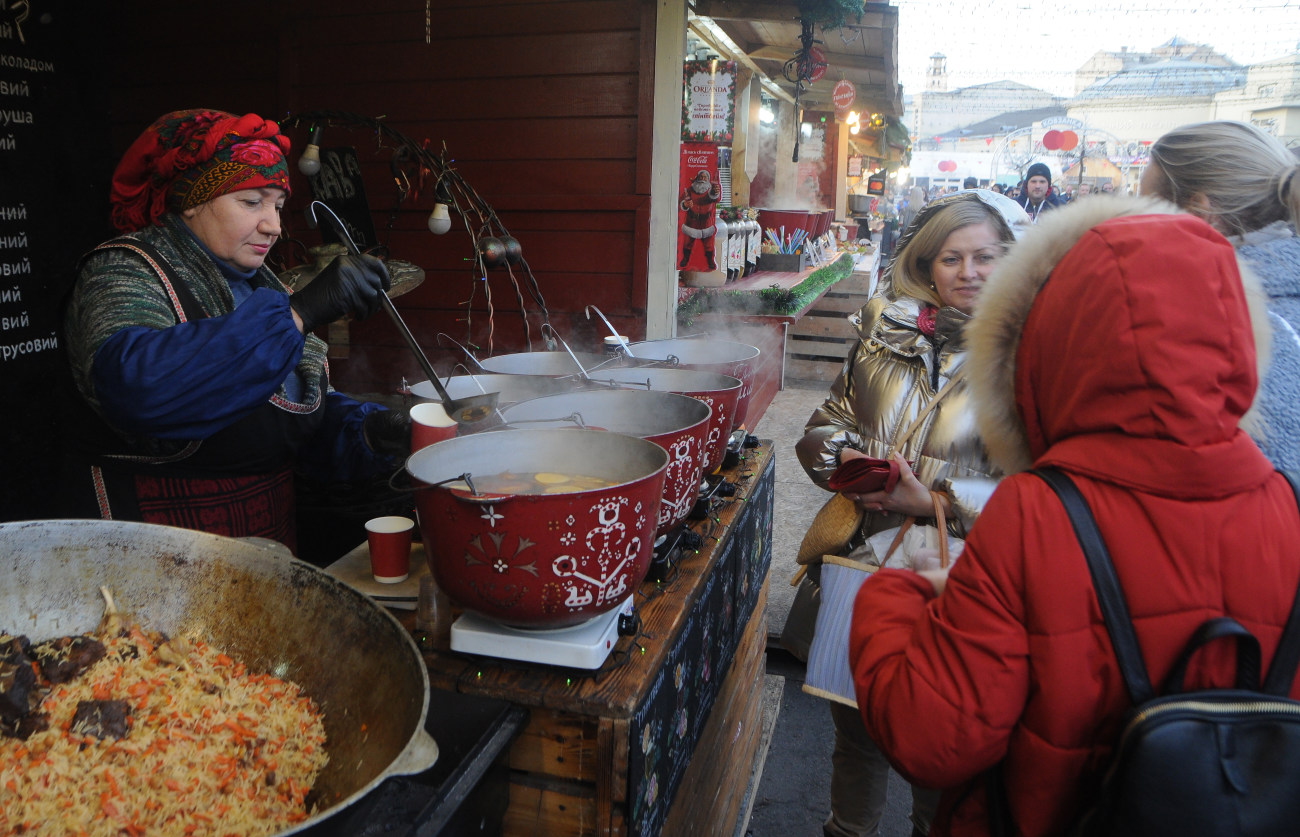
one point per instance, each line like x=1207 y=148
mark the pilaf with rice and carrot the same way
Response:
x=150 y=736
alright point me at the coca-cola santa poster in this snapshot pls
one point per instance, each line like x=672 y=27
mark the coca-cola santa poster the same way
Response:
x=697 y=207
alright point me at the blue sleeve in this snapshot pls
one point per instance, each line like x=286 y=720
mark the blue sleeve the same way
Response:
x=193 y=379
x=338 y=451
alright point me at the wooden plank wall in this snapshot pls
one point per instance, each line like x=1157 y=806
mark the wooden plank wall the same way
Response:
x=544 y=105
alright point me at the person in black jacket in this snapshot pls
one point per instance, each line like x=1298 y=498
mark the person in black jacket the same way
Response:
x=1037 y=194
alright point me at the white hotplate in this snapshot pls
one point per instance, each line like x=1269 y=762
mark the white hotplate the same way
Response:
x=579 y=646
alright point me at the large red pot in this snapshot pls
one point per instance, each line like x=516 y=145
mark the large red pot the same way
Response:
x=725 y=357
x=677 y=423
x=540 y=560
x=720 y=392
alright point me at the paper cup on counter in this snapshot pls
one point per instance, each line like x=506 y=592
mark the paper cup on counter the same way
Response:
x=429 y=424
x=389 y=539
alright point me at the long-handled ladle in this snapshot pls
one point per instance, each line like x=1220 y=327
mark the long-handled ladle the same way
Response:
x=464 y=410
x=621 y=339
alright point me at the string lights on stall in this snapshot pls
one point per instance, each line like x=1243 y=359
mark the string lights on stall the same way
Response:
x=418 y=169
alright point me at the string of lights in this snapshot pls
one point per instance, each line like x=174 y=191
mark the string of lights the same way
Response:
x=417 y=168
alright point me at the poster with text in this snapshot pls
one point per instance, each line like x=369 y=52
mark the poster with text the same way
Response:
x=697 y=207
x=709 y=102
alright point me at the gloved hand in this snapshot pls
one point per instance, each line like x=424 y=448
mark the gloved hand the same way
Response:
x=348 y=286
x=388 y=432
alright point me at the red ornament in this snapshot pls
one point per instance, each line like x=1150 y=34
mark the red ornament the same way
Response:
x=1052 y=140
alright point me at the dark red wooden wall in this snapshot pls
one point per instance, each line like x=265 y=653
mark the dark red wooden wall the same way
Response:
x=545 y=108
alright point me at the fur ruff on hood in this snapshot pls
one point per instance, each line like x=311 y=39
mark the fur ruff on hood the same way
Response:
x=994 y=333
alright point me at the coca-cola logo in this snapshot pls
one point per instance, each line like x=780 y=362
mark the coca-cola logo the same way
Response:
x=697 y=159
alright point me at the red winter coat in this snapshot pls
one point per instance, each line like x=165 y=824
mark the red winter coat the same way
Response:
x=1130 y=370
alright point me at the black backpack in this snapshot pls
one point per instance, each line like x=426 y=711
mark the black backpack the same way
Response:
x=1208 y=762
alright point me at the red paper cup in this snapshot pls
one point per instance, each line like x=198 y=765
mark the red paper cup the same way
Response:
x=429 y=424
x=390 y=547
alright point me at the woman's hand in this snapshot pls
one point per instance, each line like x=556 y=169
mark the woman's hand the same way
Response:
x=909 y=496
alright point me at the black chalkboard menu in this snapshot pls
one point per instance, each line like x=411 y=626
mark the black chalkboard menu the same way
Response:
x=54 y=172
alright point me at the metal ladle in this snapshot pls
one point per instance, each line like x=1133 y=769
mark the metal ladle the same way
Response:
x=463 y=410
x=572 y=356
x=621 y=339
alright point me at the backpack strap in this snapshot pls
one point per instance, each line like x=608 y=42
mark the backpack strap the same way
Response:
x=1119 y=624
x=1248 y=655
x=1114 y=609
x=1282 y=671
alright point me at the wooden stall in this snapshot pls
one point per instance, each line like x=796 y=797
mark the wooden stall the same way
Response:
x=663 y=739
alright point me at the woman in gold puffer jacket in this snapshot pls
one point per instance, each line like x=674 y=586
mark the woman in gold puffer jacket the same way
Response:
x=910 y=350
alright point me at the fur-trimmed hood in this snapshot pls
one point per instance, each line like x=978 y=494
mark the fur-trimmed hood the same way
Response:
x=1135 y=364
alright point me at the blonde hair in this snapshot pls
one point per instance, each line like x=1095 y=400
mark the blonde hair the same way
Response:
x=1250 y=179
x=911 y=268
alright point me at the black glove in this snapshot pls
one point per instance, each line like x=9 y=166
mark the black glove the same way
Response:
x=348 y=286
x=388 y=432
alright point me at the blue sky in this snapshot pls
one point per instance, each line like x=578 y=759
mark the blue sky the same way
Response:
x=1042 y=42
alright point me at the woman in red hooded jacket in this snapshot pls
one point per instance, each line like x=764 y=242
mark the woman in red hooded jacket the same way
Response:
x=1119 y=344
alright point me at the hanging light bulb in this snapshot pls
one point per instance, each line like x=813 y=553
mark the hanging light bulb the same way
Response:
x=440 y=218
x=309 y=162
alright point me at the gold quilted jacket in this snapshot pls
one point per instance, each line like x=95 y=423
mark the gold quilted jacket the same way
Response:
x=890 y=375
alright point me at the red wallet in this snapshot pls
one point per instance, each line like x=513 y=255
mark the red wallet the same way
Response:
x=859 y=476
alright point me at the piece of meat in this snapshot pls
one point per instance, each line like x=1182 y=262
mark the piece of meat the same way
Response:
x=65 y=658
x=17 y=686
x=14 y=648
x=101 y=718
x=24 y=727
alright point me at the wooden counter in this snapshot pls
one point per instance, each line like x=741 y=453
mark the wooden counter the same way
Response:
x=663 y=738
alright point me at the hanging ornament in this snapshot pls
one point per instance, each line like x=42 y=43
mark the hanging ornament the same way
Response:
x=514 y=251
x=492 y=251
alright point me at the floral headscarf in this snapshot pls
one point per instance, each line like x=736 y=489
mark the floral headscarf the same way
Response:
x=189 y=157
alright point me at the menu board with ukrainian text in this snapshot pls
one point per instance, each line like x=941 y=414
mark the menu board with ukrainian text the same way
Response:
x=53 y=207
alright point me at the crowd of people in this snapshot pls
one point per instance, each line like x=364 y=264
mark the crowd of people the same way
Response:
x=1142 y=371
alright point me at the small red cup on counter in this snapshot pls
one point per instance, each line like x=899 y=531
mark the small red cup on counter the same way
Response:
x=389 y=539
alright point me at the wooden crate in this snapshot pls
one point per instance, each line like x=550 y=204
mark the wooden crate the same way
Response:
x=820 y=340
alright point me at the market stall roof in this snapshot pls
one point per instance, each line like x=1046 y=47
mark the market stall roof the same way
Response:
x=764 y=35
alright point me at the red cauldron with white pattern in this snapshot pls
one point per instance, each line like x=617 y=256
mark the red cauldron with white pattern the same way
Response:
x=677 y=423
x=540 y=560
x=720 y=392
x=725 y=357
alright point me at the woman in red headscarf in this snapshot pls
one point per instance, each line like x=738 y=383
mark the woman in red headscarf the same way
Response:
x=203 y=386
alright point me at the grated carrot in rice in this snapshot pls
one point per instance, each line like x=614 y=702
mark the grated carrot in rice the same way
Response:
x=210 y=750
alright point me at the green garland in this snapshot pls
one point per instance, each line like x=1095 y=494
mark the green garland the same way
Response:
x=773 y=301
x=831 y=14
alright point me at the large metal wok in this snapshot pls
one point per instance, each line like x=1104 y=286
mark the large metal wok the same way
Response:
x=274 y=613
